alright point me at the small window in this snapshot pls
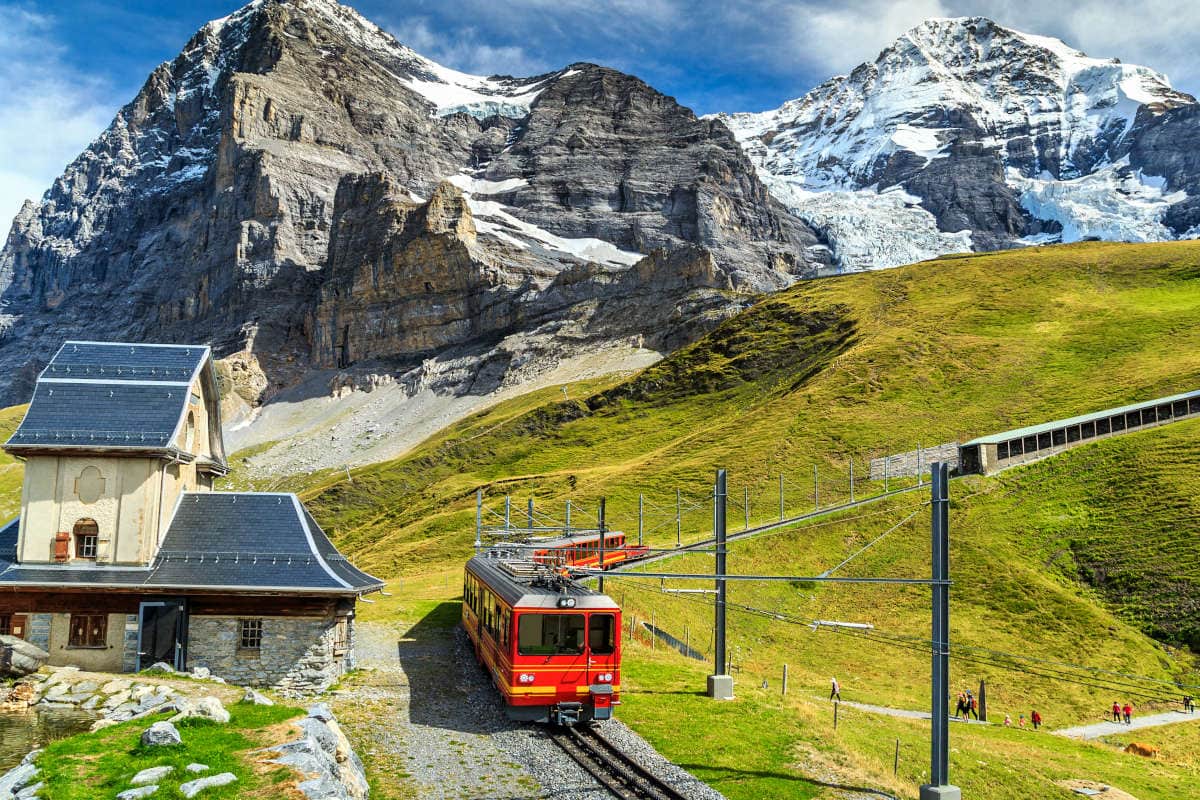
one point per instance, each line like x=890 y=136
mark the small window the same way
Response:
x=190 y=438
x=88 y=630
x=251 y=635
x=87 y=535
x=601 y=634
x=5 y=625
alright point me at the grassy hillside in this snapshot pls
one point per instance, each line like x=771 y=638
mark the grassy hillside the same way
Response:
x=11 y=472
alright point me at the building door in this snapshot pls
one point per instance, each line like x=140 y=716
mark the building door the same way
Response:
x=162 y=626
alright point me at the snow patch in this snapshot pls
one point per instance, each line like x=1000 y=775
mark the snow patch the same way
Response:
x=471 y=185
x=1115 y=203
x=495 y=220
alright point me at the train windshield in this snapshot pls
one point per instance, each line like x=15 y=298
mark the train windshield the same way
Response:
x=601 y=634
x=550 y=634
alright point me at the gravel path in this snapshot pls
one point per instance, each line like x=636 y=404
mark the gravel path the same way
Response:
x=428 y=723
x=1099 y=729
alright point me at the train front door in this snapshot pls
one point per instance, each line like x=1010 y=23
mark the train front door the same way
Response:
x=162 y=630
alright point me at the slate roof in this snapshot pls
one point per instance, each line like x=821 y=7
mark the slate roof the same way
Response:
x=110 y=396
x=228 y=541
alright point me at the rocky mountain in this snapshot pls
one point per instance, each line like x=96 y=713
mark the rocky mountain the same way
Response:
x=304 y=191
x=964 y=134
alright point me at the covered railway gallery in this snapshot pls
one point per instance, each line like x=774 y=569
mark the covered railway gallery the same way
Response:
x=123 y=555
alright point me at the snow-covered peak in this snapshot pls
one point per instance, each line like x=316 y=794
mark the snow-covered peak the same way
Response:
x=941 y=78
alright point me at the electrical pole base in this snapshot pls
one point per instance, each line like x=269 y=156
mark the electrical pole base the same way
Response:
x=929 y=792
x=720 y=687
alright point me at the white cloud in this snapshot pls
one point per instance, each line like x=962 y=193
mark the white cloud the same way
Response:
x=48 y=112
x=835 y=39
x=463 y=50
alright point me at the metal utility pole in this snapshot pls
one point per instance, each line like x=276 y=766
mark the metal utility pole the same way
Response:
x=816 y=492
x=920 y=472
x=641 y=518
x=851 y=479
x=746 y=507
x=678 y=515
x=531 y=514
x=567 y=527
x=781 y=497
x=478 y=519
x=939 y=787
x=720 y=683
x=507 y=512
x=602 y=538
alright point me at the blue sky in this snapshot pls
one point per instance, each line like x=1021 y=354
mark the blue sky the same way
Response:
x=67 y=65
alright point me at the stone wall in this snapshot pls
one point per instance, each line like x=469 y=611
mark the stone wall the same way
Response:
x=907 y=465
x=297 y=653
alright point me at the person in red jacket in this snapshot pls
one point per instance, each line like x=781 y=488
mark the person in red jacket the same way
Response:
x=1128 y=713
x=1116 y=712
x=1036 y=718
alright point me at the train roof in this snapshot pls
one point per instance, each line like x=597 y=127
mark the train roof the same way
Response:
x=515 y=582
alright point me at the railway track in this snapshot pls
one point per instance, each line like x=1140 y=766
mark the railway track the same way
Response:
x=612 y=768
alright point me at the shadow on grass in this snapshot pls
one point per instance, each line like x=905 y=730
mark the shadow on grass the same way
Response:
x=711 y=773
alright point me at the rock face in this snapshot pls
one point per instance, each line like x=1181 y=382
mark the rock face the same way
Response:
x=19 y=658
x=225 y=203
x=997 y=136
x=161 y=734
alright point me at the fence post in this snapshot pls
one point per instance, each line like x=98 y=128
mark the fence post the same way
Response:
x=816 y=491
x=678 y=514
x=746 y=507
x=784 y=692
x=896 y=760
x=687 y=640
x=851 y=479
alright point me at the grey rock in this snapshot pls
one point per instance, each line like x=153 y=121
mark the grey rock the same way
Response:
x=18 y=778
x=193 y=788
x=151 y=775
x=19 y=658
x=159 y=666
x=29 y=792
x=161 y=734
x=138 y=792
x=208 y=708
x=201 y=672
x=197 y=767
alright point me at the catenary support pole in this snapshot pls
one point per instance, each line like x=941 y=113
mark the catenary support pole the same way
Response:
x=478 y=519
x=783 y=692
x=641 y=517
x=720 y=683
x=746 y=508
x=678 y=515
x=816 y=491
x=603 y=537
x=781 y=497
x=851 y=479
x=939 y=787
x=567 y=527
x=530 y=514
x=507 y=512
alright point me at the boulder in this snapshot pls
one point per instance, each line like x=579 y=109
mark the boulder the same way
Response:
x=151 y=775
x=101 y=724
x=197 y=767
x=209 y=708
x=201 y=672
x=19 y=658
x=193 y=788
x=29 y=792
x=161 y=734
x=257 y=698
x=159 y=666
x=138 y=792
x=18 y=778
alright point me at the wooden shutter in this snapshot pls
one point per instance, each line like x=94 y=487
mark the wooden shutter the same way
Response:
x=62 y=546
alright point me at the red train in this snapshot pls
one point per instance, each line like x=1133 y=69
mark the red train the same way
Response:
x=583 y=550
x=552 y=647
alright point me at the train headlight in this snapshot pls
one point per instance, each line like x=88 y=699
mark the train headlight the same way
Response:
x=604 y=677
x=566 y=602
x=525 y=677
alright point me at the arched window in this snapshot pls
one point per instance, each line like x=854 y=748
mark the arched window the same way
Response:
x=87 y=534
x=190 y=436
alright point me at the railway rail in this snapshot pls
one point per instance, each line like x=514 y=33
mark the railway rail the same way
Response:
x=611 y=767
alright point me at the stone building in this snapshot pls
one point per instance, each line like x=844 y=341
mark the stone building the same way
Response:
x=124 y=555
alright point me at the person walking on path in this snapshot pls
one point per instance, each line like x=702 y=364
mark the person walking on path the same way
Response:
x=1021 y=724
x=1007 y=721
x=1036 y=718
x=1128 y=713
x=1116 y=711
x=960 y=710
x=1188 y=706
x=835 y=689
x=975 y=707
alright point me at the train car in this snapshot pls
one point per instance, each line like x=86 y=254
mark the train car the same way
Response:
x=583 y=550
x=552 y=647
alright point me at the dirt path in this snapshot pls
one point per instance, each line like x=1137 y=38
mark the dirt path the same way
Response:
x=1096 y=730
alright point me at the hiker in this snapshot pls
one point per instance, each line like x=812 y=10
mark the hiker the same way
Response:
x=1022 y=722
x=975 y=707
x=1036 y=718
x=1128 y=713
x=1007 y=721
x=1116 y=711
x=961 y=708
x=835 y=689
x=1188 y=706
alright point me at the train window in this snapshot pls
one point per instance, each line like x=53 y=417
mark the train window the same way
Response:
x=550 y=634
x=601 y=628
